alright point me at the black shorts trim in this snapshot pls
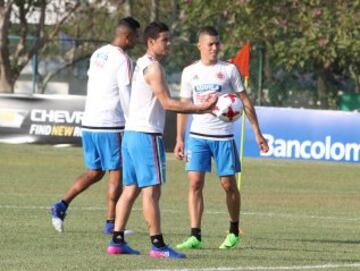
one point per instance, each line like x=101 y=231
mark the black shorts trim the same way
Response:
x=214 y=136
x=103 y=128
x=154 y=134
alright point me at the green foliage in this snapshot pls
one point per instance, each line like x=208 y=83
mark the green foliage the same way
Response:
x=318 y=37
x=299 y=36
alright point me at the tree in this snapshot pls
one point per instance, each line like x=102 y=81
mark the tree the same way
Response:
x=83 y=35
x=323 y=35
x=13 y=61
x=154 y=10
x=317 y=36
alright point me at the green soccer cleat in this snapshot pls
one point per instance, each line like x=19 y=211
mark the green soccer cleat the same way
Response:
x=231 y=241
x=191 y=243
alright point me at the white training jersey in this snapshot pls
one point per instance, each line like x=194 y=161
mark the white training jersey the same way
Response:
x=108 y=89
x=197 y=82
x=146 y=114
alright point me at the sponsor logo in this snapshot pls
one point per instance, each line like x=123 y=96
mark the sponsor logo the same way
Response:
x=12 y=118
x=54 y=130
x=317 y=150
x=56 y=116
x=165 y=254
x=57 y=122
x=196 y=77
x=207 y=87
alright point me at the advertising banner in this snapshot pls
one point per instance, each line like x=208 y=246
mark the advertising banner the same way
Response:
x=291 y=133
x=45 y=119
x=305 y=134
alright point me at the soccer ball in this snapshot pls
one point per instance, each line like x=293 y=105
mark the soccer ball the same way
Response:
x=228 y=107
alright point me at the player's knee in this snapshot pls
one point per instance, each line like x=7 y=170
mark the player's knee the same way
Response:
x=95 y=175
x=154 y=196
x=230 y=188
x=196 y=186
x=129 y=194
x=114 y=194
x=152 y=201
x=115 y=188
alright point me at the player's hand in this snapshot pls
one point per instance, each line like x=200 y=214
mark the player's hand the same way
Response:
x=261 y=141
x=209 y=103
x=179 y=150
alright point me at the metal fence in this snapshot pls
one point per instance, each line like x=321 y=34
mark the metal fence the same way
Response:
x=61 y=68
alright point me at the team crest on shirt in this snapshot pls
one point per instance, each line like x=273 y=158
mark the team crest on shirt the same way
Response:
x=220 y=76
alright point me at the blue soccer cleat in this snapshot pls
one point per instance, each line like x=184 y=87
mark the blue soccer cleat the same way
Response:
x=165 y=252
x=109 y=228
x=123 y=248
x=58 y=213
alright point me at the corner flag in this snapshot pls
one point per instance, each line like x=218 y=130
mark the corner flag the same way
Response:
x=242 y=62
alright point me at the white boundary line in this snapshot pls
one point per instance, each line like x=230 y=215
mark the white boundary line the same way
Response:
x=275 y=215
x=291 y=267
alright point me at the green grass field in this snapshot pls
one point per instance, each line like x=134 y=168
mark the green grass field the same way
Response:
x=295 y=214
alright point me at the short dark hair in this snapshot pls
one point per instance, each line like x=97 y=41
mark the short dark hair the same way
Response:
x=209 y=30
x=153 y=30
x=129 y=22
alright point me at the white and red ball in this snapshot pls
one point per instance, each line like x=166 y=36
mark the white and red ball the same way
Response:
x=228 y=107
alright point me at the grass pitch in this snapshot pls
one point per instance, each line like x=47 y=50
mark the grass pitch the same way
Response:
x=295 y=215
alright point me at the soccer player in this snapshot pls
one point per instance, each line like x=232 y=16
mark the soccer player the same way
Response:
x=143 y=148
x=107 y=101
x=210 y=137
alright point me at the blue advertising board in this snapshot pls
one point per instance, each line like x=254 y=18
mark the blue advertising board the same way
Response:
x=305 y=134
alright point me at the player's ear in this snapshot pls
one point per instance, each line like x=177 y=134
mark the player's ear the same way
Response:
x=198 y=45
x=150 y=42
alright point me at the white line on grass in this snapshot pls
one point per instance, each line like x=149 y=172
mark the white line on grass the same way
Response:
x=292 y=267
x=275 y=215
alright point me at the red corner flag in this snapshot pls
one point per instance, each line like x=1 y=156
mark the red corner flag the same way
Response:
x=242 y=60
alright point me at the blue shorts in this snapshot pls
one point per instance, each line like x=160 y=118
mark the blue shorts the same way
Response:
x=199 y=152
x=144 y=161
x=102 y=150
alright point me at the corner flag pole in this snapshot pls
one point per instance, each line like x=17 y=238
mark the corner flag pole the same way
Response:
x=242 y=62
x=242 y=140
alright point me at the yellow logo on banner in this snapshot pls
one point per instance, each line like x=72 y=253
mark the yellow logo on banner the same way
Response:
x=7 y=116
x=12 y=117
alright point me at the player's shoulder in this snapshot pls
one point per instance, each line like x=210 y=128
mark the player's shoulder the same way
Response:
x=150 y=64
x=119 y=53
x=192 y=66
x=226 y=64
x=115 y=53
x=146 y=60
x=111 y=52
x=99 y=51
